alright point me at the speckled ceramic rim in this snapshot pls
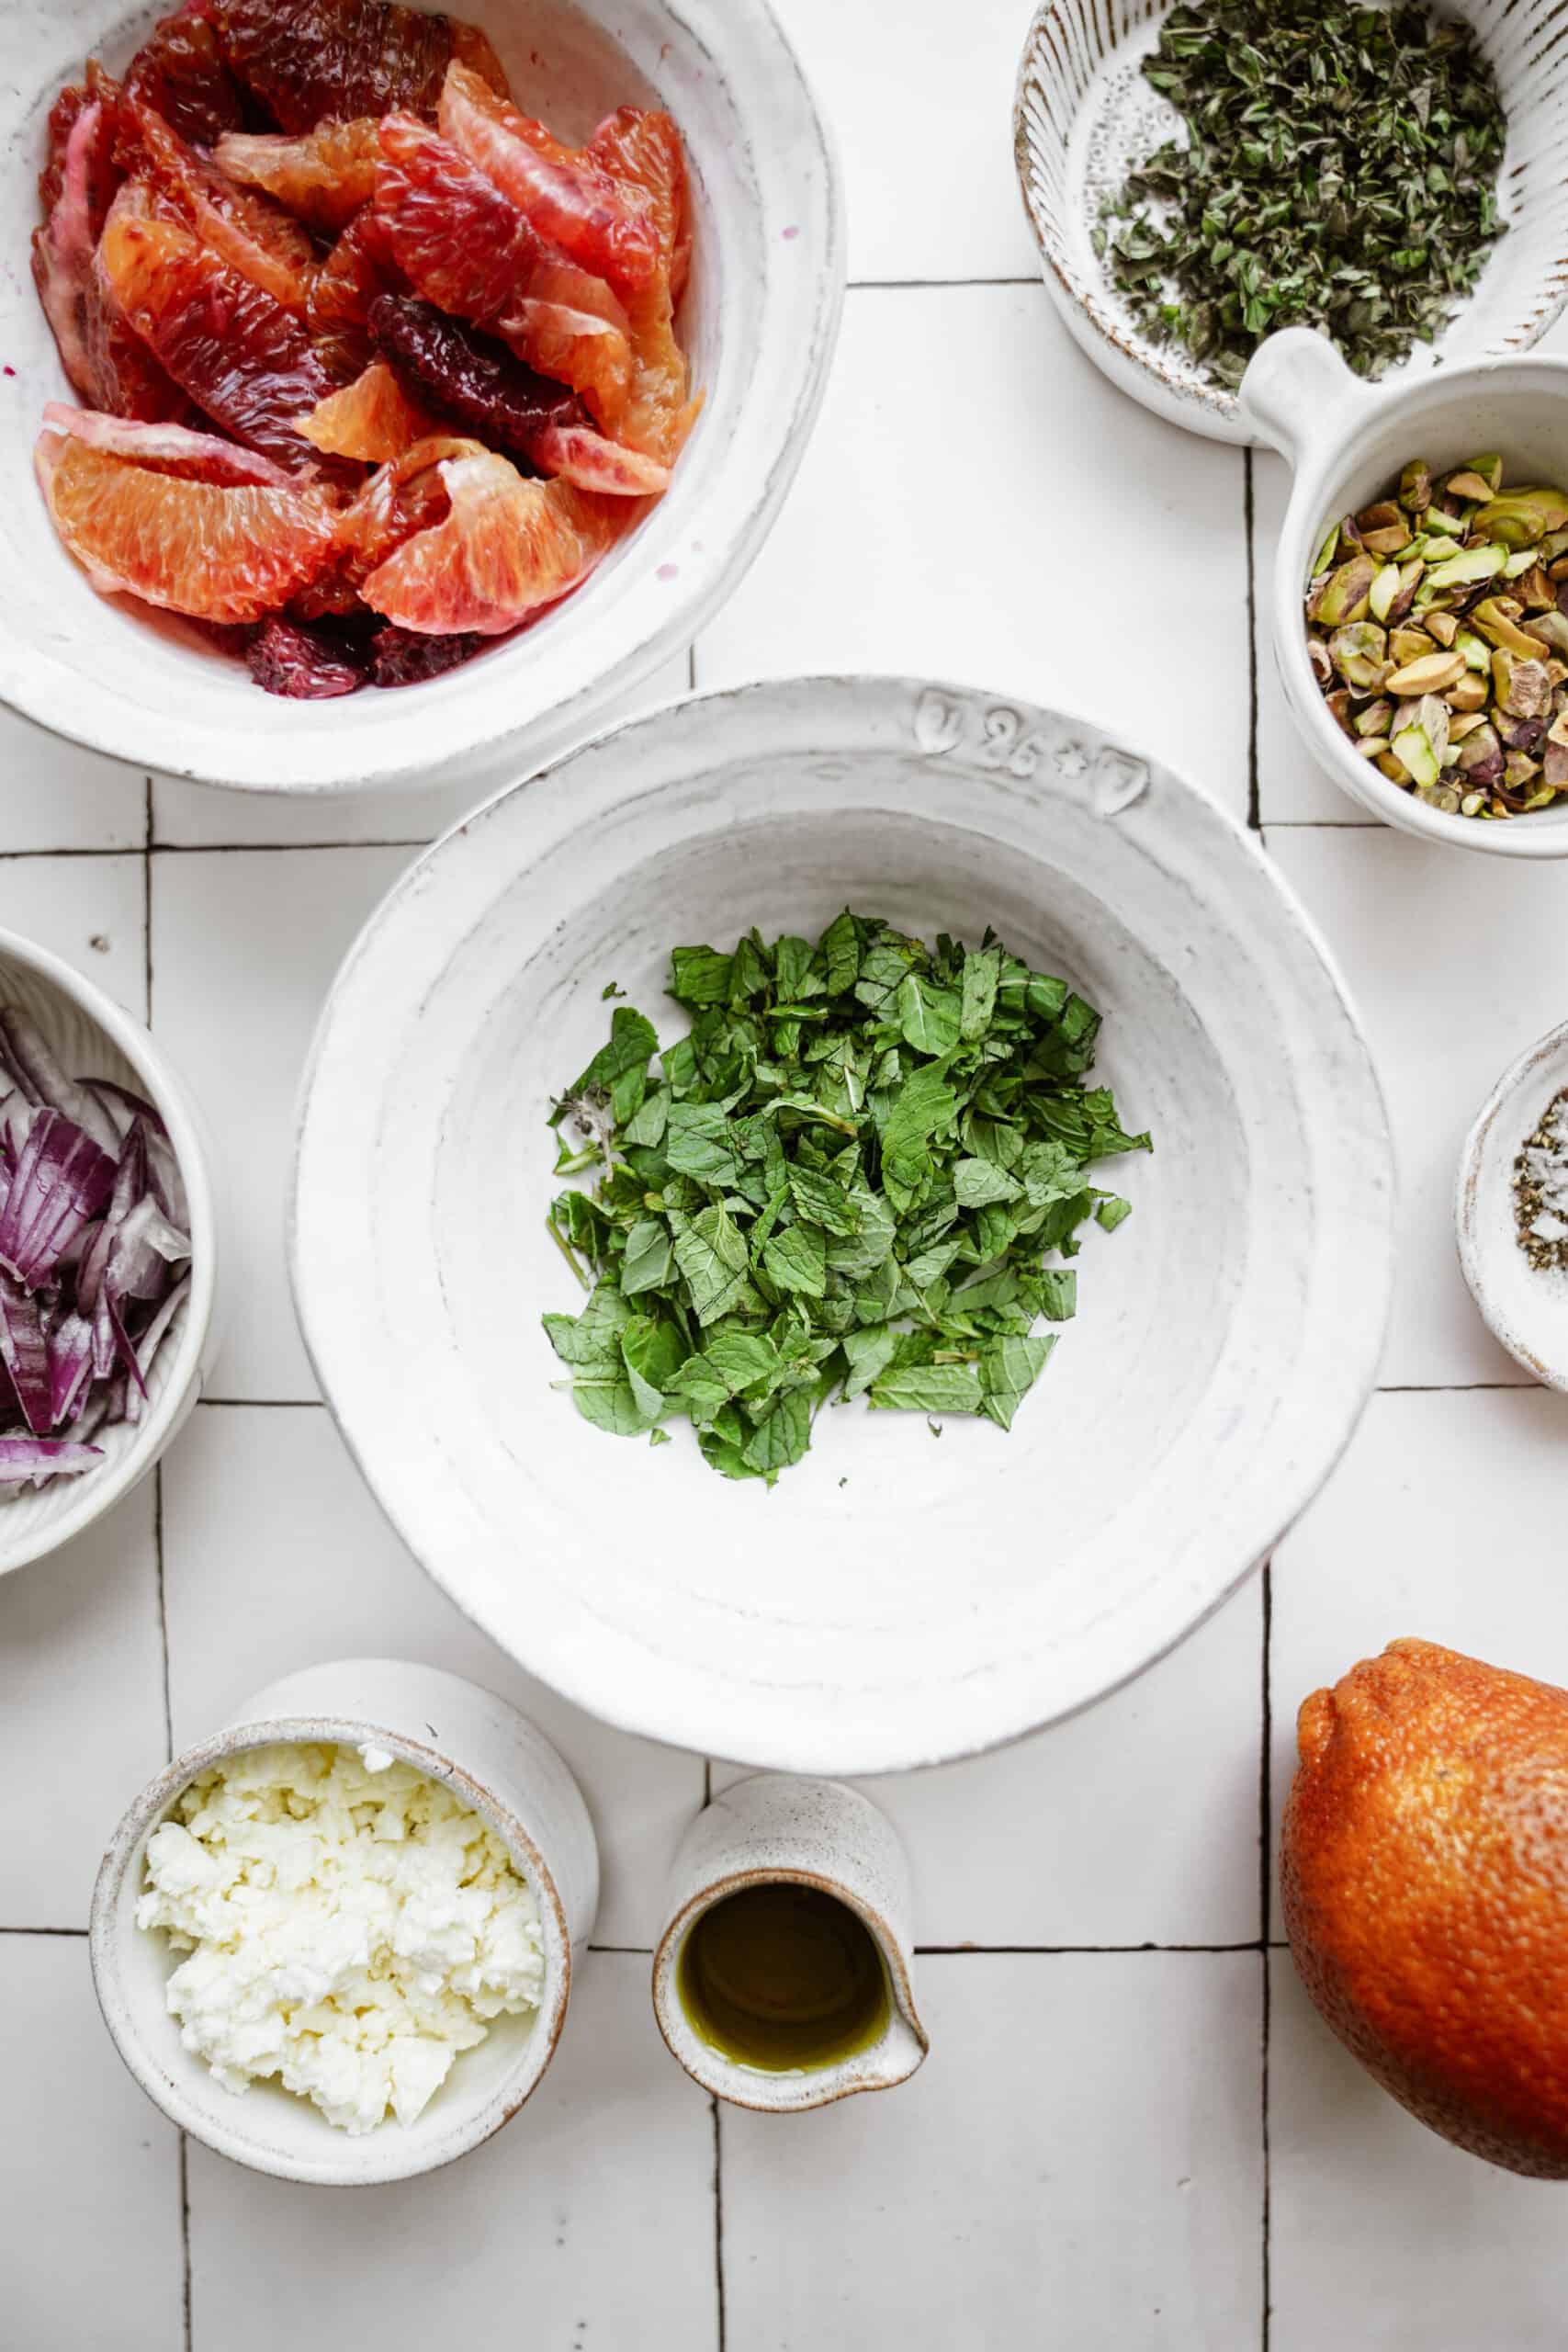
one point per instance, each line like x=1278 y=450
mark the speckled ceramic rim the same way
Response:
x=1519 y=1074
x=345 y=2163
x=1065 y=34
x=690 y=2051
x=192 y=1336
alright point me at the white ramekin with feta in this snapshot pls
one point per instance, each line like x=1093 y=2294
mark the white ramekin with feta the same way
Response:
x=358 y=1907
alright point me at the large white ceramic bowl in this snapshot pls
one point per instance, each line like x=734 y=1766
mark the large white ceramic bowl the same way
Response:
x=91 y=1036
x=896 y=1599
x=760 y=321
x=1084 y=114
x=1348 y=443
x=494 y=1760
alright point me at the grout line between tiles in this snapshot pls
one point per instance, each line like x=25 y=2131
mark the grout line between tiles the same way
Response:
x=1254 y=816
x=718 y=2220
x=44 y=1931
x=1264 y=1889
x=185 y=2237
x=1389 y=1388
x=162 y=1608
x=931 y=284
x=1046 y=1951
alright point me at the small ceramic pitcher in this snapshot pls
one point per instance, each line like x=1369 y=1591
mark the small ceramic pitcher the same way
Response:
x=776 y=1830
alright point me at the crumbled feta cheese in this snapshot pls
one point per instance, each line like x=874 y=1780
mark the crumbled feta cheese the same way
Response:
x=352 y=1926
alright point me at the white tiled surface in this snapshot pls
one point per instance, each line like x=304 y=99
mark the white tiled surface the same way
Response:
x=1110 y=2145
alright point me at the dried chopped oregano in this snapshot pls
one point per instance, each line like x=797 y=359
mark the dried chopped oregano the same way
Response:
x=1339 y=171
x=845 y=1180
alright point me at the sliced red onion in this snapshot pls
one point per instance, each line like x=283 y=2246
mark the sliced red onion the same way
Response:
x=94 y=1257
x=29 y=1460
x=33 y=1068
x=62 y=1183
x=24 y=1345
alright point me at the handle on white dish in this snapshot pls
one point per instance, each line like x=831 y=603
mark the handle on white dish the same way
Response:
x=1295 y=389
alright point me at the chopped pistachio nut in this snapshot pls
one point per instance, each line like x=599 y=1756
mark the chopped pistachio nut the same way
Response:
x=1438 y=637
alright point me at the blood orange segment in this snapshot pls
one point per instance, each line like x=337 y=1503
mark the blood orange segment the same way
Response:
x=166 y=449
x=406 y=496
x=180 y=72
x=580 y=455
x=569 y=195
x=372 y=419
x=477 y=382
x=358 y=267
x=220 y=551
x=307 y=60
x=249 y=231
x=248 y=362
x=101 y=173
x=306 y=664
x=401 y=658
x=324 y=176
x=64 y=247
x=507 y=548
x=644 y=150
x=466 y=247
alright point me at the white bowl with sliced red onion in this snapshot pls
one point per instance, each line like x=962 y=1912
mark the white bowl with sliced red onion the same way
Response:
x=659 y=180
x=108 y=1254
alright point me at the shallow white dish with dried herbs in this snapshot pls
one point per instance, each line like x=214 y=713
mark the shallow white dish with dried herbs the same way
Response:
x=1511 y=1209
x=1085 y=114
x=900 y=1598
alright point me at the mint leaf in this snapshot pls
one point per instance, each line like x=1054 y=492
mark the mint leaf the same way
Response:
x=797 y=1260
x=712 y=1255
x=1009 y=1371
x=928 y=1388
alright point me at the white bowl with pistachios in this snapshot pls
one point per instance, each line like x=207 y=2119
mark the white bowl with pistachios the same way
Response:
x=1418 y=590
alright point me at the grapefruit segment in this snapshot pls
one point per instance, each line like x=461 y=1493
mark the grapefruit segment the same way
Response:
x=324 y=176
x=166 y=449
x=580 y=455
x=465 y=245
x=508 y=547
x=569 y=194
x=250 y=233
x=245 y=360
x=372 y=419
x=358 y=267
x=307 y=60
x=225 y=552
x=180 y=72
x=477 y=382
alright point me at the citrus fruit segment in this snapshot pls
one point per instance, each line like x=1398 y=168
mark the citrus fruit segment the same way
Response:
x=465 y=246
x=310 y=59
x=401 y=658
x=220 y=551
x=643 y=150
x=477 y=382
x=322 y=176
x=508 y=547
x=245 y=360
x=305 y=664
x=580 y=455
x=180 y=73
x=166 y=449
x=407 y=496
x=63 y=247
x=372 y=419
x=358 y=267
x=101 y=175
x=250 y=233
x=569 y=194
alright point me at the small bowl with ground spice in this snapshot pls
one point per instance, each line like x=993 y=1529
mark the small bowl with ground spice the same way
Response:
x=1419 y=586
x=1511 y=1211
x=1201 y=176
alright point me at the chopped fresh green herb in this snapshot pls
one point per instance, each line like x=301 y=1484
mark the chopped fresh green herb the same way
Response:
x=845 y=1180
x=1339 y=170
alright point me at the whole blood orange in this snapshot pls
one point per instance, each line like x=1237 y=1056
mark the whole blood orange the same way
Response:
x=1424 y=1869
